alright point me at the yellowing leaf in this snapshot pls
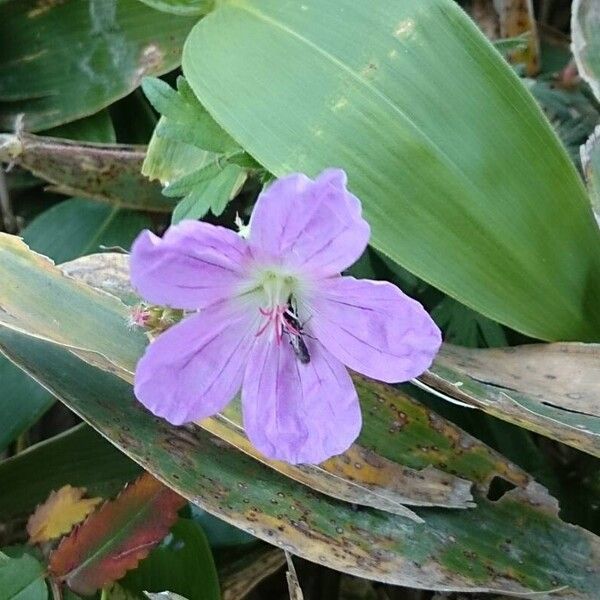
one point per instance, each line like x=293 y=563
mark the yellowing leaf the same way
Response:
x=62 y=510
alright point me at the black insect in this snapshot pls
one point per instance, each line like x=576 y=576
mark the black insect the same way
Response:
x=295 y=330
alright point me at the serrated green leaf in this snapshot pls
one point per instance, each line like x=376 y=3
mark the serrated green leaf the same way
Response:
x=470 y=200
x=184 y=185
x=210 y=194
x=186 y=119
x=168 y=160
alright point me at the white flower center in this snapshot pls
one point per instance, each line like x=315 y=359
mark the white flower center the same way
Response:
x=278 y=293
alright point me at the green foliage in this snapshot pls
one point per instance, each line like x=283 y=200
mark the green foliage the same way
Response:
x=22 y=578
x=186 y=125
x=91 y=53
x=212 y=477
x=475 y=209
x=78 y=227
x=80 y=457
x=183 y=564
x=186 y=119
x=470 y=203
x=22 y=403
x=95 y=128
x=465 y=327
x=212 y=193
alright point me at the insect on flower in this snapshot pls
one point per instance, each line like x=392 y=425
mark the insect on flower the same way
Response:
x=295 y=331
x=246 y=297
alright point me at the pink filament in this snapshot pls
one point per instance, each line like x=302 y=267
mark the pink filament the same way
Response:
x=275 y=316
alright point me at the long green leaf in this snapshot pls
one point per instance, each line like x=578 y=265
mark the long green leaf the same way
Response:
x=69 y=59
x=22 y=403
x=551 y=389
x=403 y=456
x=65 y=231
x=78 y=227
x=510 y=545
x=462 y=178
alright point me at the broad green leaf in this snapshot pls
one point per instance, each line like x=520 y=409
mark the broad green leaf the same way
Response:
x=108 y=326
x=465 y=327
x=470 y=200
x=22 y=578
x=590 y=161
x=67 y=60
x=95 y=128
x=79 y=457
x=65 y=231
x=585 y=32
x=183 y=563
x=219 y=533
x=550 y=389
x=505 y=546
x=182 y=7
x=103 y=172
x=78 y=227
x=402 y=457
x=22 y=403
x=114 y=538
x=186 y=120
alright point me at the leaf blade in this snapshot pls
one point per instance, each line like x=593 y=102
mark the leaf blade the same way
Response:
x=116 y=537
x=425 y=170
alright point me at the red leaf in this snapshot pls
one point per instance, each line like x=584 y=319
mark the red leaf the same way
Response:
x=117 y=536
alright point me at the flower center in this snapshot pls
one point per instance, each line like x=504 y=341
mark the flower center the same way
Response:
x=277 y=309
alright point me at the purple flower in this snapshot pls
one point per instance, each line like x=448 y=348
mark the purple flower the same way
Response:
x=277 y=320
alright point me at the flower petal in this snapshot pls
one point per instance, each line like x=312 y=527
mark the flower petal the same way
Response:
x=299 y=413
x=315 y=225
x=374 y=328
x=196 y=367
x=193 y=266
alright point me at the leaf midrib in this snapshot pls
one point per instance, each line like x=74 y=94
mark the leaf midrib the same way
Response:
x=102 y=551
